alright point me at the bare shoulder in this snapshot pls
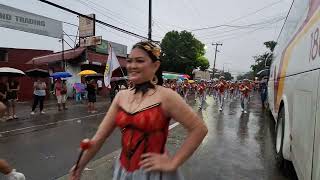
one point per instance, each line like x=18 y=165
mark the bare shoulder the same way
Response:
x=167 y=94
x=124 y=92
x=122 y=95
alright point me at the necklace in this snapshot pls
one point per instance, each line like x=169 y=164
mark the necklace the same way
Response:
x=143 y=97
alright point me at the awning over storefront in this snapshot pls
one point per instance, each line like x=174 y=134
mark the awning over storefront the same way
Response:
x=51 y=58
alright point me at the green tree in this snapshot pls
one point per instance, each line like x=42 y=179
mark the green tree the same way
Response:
x=270 y=45
x=264 y=60
x=248 y=75
x=203 y=63
x=182 y=52
x=227 y=75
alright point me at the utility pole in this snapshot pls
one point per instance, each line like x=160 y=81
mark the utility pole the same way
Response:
x=150 y=21
x=215 y=56
x=62 y=54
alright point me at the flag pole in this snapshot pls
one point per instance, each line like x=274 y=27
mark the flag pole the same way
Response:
x=122 y=72
x=119 y=64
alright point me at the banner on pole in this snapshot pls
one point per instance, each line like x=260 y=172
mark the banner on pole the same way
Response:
x=111 y=65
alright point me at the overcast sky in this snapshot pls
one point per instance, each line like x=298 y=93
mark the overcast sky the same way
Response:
x=253 y=21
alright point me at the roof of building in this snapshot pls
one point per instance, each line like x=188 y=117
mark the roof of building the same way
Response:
x=25 y=49
x=51 y=58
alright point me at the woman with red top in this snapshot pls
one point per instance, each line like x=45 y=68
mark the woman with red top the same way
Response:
x=231 y=90
x=142 y=114
x=185 y=88
x=221 y=90
x=245 y=90
x=201 y=90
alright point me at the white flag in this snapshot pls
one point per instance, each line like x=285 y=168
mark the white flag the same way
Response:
x=111 y=65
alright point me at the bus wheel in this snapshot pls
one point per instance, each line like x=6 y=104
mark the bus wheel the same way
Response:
x=279 y=138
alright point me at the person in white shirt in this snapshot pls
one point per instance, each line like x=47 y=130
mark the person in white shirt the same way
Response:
x=99 y=83
x=39 y=95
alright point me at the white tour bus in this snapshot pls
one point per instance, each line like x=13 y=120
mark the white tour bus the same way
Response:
x=294 y=90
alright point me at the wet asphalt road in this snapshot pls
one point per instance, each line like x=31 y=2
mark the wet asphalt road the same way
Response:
x=236 y=147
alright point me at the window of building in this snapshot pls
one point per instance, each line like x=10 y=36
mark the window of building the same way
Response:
x=3 y=56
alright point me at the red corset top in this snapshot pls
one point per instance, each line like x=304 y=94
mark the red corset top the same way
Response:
x=143 y=131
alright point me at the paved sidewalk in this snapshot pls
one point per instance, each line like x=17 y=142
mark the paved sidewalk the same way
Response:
x=23 y=109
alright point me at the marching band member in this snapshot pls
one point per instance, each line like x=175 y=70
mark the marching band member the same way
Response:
x=185 y=88
x=221 y=91
x=201 y=90
x=245 y=90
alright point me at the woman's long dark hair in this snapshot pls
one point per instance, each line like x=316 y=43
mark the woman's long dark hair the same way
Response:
x=149 y=47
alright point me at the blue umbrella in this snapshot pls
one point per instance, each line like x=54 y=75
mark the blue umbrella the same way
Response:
x=57 y=75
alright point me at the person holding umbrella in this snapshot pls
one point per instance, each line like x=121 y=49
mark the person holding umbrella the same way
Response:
x=264 y=91
x=61 y=93
x=39 y=93
x=92 y=98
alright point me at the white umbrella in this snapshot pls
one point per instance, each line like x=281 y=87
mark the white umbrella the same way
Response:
x=7 y=71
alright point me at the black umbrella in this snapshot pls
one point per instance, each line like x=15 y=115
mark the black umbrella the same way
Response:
x=37 y=73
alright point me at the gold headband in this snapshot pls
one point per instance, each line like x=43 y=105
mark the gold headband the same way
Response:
x=153 y=49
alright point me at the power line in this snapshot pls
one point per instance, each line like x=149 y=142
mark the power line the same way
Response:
x=70 y=24
x=163 y=30
x=248 y=26
x=114 y=13
x=93 y=19
x=265 y=20
x=139 y=10
x=285 y=21
x=230 y=34
x=102 y=13
x=173 y=27
x=237 y=19
x=244 y=34
x=109 y=30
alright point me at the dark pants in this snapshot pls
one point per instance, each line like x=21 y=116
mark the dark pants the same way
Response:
x=36 y=100
x=263 y=95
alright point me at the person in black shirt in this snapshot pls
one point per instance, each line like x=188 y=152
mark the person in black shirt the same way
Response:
x=91 y=89
x=3 y=95
x=12 y=95
x=264 y=91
